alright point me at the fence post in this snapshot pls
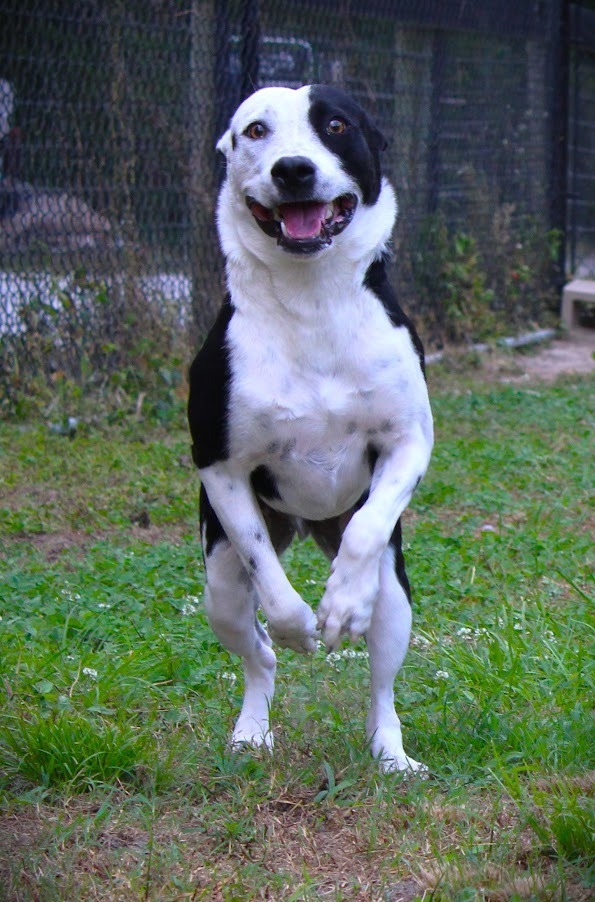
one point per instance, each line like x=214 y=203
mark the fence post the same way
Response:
x=434 y=139
x=558 y=60
x=205 y=263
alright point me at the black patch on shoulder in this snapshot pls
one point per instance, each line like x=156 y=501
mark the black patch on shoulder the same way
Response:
x=209 y=521
x=397 y=543
x=358 y=147
x=376 y=280
x=210 y=376
x=264 y=483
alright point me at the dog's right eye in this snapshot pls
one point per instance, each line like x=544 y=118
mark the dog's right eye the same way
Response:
x=256 y=130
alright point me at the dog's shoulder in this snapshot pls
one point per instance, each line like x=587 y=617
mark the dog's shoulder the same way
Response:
x=376 y=280
x=209 y=378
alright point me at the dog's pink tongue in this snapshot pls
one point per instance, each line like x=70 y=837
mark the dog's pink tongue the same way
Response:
x=303 y=220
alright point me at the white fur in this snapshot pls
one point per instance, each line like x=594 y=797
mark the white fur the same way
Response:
x=317 y=369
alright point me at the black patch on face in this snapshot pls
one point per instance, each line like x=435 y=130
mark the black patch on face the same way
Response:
x=210 y=376
x=234 y=141
x=209 y=522
x=264 y=483
x=376 y=280
x=358 y=147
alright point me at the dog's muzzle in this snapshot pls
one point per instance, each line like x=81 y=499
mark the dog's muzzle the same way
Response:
x=304 y=227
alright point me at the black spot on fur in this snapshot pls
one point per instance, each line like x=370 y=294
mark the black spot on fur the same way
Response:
x=376 y=280
x=264 y=483
x=209 y=389
x=397 y=543
x=372 y=454
x=209 y=522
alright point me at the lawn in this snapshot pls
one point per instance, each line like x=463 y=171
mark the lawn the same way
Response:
x=116 y=700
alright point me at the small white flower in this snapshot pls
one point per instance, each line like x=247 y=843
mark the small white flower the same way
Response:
x=466 y=633
x=104 y=605
x=229 y=676
x=348 y=653
x=420 y=642
x=188 y=609
x=352 y=653
x=442 y=675
x=90 y=672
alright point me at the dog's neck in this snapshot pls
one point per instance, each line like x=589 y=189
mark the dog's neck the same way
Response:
x=304 y=287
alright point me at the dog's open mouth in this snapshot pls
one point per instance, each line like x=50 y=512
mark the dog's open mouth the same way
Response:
x=305 y=227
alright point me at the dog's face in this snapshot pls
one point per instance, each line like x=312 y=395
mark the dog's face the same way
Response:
x=301 y=166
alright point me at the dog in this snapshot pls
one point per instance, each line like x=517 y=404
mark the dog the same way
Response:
x=308 y=405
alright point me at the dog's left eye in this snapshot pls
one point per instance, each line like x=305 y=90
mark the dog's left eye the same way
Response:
x=336 y=127
x=256 y=130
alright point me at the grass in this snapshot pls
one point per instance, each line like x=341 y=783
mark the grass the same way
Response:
x=117 y=701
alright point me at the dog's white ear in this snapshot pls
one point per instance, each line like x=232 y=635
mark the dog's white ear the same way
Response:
x=224 y=144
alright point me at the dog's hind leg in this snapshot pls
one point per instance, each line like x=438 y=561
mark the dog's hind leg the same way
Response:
x=388 y=639
x=231 y=604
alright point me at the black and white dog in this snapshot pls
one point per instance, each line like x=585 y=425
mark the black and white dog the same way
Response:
x=308 y=404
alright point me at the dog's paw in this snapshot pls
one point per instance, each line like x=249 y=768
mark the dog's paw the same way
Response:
x=346 y=607
x=391 y=757
x=296 y=630
x=251 y=734
x=402 y=764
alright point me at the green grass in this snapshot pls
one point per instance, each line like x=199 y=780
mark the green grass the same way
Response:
x=117 y=701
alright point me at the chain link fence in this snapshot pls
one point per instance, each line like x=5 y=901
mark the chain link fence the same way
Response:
x=581 y=142
x=109 y=113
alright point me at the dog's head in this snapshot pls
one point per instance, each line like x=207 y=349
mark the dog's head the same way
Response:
x=302 y=167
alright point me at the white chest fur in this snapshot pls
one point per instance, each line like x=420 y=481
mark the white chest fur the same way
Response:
x=311 y=395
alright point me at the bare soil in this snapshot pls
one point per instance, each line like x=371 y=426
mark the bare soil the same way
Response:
x=573 y=353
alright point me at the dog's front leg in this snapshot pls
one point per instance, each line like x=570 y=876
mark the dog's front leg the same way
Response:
x=352 y=589
x=291 y=622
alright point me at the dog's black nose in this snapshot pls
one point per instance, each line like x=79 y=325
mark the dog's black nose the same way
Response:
x=294 y=173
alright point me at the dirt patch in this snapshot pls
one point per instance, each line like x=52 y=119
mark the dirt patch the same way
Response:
x=572 y=354
x=55 y=545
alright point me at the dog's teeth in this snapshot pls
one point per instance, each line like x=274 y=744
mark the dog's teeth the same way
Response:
x=330 y=212
x=277 y=214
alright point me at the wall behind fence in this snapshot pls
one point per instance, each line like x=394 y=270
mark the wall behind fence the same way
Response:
x=109 y=112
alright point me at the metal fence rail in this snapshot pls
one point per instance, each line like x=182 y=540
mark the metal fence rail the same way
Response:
x=109 y=113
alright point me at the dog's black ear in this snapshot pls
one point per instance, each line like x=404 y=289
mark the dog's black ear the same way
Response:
x=374 y=136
